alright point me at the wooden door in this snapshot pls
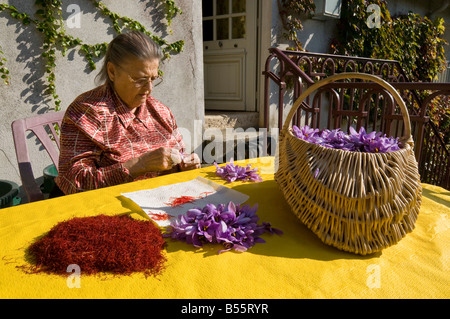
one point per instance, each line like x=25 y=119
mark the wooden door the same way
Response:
x=229 y=48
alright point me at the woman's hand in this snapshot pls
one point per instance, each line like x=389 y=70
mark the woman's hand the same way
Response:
x=190 y=161
x=159 y=160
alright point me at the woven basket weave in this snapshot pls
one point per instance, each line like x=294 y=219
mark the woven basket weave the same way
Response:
x=358 y=202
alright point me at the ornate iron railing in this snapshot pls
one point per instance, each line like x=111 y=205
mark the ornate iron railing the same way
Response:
x=355 y=103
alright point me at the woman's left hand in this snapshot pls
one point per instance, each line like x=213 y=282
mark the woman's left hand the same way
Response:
x=191 y=161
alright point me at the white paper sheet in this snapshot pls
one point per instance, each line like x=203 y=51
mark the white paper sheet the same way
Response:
x=156 y=202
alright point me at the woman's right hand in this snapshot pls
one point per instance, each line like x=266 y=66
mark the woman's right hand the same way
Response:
x=159 y=160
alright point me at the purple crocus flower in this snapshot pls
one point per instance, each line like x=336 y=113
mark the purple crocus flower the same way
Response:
x=229 y=215
x=204 y=229
x=305 y=132
x=231 y=172
x=337 y=139
x=382 y=145
x=194 y=214
x=233 y=226
x=360 y=141
x=393 y=144
x=247 y=238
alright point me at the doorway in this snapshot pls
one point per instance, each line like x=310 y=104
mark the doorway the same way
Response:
x=230 y=54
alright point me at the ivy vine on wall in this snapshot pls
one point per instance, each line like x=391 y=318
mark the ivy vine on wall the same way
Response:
x=291 y=12
x=3 y=69
x=50 y=24
x=415 y=41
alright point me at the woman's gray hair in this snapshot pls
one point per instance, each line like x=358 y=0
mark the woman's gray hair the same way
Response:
x=133 y=44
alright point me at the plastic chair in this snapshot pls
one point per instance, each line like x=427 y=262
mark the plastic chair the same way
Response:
x=42 y=126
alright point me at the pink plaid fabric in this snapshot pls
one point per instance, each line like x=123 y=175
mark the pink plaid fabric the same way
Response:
x=99 y=133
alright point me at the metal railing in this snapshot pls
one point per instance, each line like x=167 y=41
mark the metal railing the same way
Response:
x=341 y=104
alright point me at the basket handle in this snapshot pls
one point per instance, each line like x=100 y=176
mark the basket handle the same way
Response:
x=355 y=75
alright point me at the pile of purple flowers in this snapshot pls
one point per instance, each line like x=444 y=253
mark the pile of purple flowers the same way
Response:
x=233 y=226
x=361 y=141
x=231 y=172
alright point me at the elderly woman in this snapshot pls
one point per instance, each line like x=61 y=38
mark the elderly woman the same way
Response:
x=117 y=132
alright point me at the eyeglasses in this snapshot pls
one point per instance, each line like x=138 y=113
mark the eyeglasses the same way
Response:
x=144 y=82
x=139 y=83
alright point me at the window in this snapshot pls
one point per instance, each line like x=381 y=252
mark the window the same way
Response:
x=223 y=19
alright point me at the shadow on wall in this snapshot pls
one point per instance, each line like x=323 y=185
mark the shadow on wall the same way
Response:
x=155 y=10
x=31 y=55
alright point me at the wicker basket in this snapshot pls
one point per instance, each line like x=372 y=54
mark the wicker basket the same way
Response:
x=358 y=202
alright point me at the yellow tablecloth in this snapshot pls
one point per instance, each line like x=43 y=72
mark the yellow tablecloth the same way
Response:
x=293 y=265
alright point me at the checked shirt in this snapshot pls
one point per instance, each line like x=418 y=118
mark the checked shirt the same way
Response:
x=99 y=132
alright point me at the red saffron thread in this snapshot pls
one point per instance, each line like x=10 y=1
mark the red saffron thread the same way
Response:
x=177 y=201
x=109 y=244
x=160 y=216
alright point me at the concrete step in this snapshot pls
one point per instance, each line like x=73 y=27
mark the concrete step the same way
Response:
x=221 y=120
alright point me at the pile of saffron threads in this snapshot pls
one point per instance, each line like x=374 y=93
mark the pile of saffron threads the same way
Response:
x=100 y=244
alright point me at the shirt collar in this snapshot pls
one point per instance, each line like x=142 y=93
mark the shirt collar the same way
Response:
x=125 y=114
